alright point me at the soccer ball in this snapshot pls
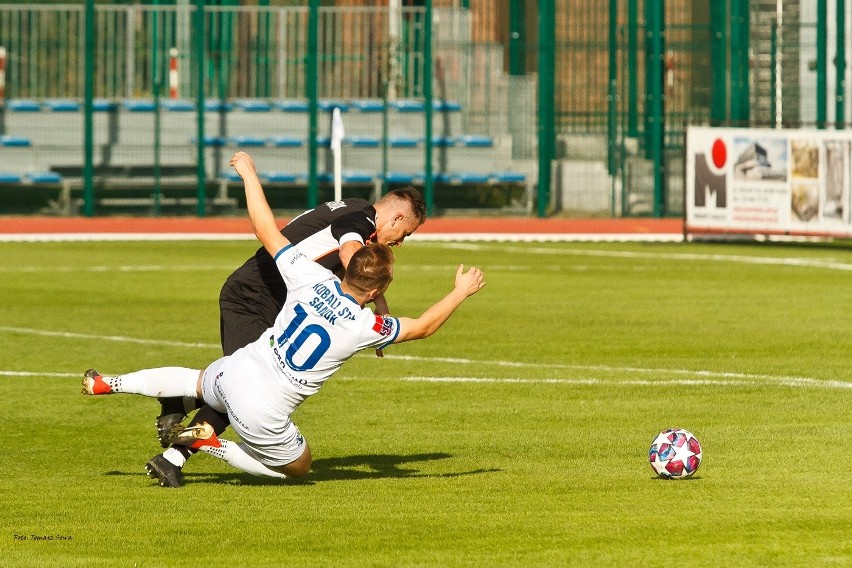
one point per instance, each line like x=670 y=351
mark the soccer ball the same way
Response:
x=675 y=454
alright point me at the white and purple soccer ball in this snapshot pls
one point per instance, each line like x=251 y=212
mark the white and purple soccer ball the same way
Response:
x=675 y=454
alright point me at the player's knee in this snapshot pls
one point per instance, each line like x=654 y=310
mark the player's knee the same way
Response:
x=298 y=467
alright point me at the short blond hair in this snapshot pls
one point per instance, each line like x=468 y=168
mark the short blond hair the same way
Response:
x=370 y=268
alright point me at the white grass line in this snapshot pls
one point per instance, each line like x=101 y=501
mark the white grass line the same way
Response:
x=604 y=368
x=30 y=269
x=37 y=374
x=695 y=376
x=550 y=237
x=116 y=338
x=122 y=268
x=831 y=264
x=110 y=237
x=798 y=383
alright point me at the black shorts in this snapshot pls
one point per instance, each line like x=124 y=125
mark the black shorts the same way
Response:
x=241 y=323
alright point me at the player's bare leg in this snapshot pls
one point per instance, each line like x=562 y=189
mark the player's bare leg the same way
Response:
x=202 y=437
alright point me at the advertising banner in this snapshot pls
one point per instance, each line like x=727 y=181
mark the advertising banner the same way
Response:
x=768 y=181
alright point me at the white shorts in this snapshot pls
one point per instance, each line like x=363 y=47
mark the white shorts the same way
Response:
x=269 y=434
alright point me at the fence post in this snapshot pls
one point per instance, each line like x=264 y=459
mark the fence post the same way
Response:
x=719 y=55
x=2 y=90
x=654 y=112
x=612 y=94
x=311 y=94
x=632 y=69
x=88 y=112
x=840 y=86
x=428 y=183
x=546 y=91
x=821 y=63
x=156 y=86
x=740 y=104
x=200 y=170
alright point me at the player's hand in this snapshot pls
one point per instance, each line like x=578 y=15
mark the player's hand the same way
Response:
x=469 y=282
x=243 y=164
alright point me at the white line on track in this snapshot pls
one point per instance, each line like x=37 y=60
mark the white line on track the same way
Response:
x=422 y=237
x=691 y=377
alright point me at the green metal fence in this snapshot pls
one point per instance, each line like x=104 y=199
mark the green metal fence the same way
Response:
x=596 y=117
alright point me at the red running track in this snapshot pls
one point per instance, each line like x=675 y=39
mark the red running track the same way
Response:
x=449 y=225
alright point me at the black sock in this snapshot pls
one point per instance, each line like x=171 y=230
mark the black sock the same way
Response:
x=171 y=405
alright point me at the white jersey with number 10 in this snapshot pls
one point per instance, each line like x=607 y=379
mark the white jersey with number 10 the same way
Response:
x=319 y=328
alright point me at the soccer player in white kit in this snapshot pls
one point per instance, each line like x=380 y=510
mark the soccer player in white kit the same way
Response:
x=322 y=324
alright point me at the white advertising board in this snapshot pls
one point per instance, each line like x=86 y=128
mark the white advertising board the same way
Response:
x=768 y=181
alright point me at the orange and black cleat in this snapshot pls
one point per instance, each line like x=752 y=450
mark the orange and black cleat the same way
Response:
x=93 y=383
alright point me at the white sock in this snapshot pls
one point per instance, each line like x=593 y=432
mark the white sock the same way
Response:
x=160 y=382
x=235 y=455
x=174 y=457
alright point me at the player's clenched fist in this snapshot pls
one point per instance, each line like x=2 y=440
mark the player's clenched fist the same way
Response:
x=243 y=164
x=471 y=281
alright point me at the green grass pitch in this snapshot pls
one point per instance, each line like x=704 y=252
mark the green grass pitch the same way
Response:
x=516 y=436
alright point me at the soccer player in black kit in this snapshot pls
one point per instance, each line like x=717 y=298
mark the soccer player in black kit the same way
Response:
x=254 y=293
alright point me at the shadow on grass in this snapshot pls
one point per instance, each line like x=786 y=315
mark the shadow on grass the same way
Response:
x=347 y=468
x=678 y=479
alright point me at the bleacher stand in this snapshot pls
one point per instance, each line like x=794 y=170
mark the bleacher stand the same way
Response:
x=46 y=138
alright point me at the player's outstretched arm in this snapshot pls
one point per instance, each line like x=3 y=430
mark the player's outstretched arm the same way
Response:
x=467 y=284
x=262 y=219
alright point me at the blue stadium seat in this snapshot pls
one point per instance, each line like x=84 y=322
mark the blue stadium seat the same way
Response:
x=364 y=141
x=472 y=177
x=9 y=177
x=356 y=177
x=248 y=141
x=22 y=105
x=211 y=140
x=443 y=141
x=399 y=177
x=215 y=105
x=402 y=142
x=231 y=176
x=292 y=106
x=509 y=177
x=324 y=141
x=328 y=106
x=10 y=140
x=415 y=105
x=62 y=105
x=104 y=105
x=136 y=105
x=446 y=106
x=177 y=105
x=287 y=141
x=253 y=105
x=279 y=177
x=408 y=106
x=477 y=141
x=44 y=177
x=369 y=105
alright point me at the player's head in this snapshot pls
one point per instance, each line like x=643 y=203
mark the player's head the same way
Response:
x=398 y=214
x=370 y=271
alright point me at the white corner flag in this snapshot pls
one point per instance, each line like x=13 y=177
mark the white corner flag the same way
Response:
x=337 y=134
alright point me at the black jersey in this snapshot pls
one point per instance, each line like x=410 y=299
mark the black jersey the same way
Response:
x=257 y=285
